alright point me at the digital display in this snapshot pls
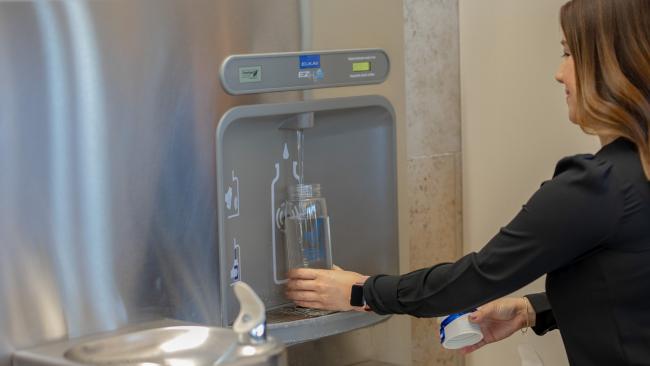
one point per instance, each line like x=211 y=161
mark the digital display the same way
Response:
x=361 y=66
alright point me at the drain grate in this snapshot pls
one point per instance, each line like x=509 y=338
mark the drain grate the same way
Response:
x=293 y=313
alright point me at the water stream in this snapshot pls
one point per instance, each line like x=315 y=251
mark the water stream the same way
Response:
x=300 y=136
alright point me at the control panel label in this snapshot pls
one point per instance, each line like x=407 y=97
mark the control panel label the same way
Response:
x=252 y=74
x=309 y=61
x=284 y=71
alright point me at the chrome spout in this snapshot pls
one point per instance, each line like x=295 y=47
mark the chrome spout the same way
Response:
x=250 y=324
x=252 y=343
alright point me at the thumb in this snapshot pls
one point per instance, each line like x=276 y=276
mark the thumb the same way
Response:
x=336 y=268
x=480 y=314
x=475 y=317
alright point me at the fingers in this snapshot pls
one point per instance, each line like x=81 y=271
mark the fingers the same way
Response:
x=309 y=296
x=303 y=274
x=479 y=315
x=472 y=348
x=501 y=309
x=474 y=317
x=302 y=285
x=309 y=304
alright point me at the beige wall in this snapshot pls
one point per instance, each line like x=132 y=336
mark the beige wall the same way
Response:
x=515 y=128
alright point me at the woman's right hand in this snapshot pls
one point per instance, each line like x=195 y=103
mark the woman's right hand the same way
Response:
x=499 y=319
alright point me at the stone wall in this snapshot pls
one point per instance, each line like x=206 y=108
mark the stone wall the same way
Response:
x=433 y=140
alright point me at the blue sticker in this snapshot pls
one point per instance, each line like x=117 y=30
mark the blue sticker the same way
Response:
x=310 y=61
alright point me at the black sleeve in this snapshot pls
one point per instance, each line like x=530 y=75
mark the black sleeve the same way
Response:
x=545 y=320
x=566 y=218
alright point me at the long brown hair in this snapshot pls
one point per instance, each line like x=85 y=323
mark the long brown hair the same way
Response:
x=610 y=44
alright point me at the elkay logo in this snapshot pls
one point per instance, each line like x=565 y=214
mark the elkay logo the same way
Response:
x=310 y=62
x=304 y=74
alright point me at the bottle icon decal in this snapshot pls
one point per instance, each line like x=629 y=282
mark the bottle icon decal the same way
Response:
x=285 y=153
x=232 y=197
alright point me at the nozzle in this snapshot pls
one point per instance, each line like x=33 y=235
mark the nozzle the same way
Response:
x=300 y=121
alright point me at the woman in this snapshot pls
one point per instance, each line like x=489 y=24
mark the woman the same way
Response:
x=588 y=228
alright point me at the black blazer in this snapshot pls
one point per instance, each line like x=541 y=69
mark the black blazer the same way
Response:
x=589 y=229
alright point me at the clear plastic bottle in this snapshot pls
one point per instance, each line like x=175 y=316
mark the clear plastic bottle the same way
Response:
x=307 y=228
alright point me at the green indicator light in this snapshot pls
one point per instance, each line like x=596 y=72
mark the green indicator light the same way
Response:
x=361 y=66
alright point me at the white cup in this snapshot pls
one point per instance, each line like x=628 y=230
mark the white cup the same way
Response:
x=461 y=333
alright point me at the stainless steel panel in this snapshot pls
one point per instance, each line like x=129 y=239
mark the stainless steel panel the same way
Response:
x=107 y=173
x=108 y=206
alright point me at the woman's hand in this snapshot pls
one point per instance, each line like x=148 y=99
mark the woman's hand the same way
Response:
x=323 y=289
x=499 y=319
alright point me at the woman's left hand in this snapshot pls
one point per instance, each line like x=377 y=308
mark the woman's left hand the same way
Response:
x=322 y=288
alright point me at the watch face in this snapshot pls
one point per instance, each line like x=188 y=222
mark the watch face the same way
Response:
x=356 y=295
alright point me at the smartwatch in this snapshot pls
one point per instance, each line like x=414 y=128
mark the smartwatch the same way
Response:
x=356 y=295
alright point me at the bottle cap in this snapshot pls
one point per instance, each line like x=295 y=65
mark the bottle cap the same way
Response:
x=456 y=331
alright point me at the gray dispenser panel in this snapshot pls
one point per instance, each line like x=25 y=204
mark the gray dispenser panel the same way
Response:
x=270 y=72
x=351 y=152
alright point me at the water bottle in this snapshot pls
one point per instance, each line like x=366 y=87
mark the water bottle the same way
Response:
x=307 y=228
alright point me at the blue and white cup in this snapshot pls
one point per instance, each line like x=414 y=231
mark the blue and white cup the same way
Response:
x=456 y=331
